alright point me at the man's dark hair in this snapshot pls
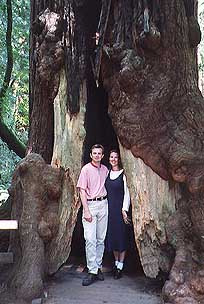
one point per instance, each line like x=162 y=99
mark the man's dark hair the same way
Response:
x=96 y=146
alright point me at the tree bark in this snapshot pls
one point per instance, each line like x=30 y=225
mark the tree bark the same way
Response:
x=46 y=59
x=35 y=192
x=157 y=112
x=50 y=220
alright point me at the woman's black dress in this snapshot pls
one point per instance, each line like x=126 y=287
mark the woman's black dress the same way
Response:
x=117 y=238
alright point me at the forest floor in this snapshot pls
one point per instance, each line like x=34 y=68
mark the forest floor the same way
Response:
x=65 y=287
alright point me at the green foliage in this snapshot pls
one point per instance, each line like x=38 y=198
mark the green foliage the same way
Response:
x=8 y=162
x=3 y=40
x=15 y=103
x=201 y=45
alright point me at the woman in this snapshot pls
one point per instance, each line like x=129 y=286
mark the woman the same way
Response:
x=118 y=205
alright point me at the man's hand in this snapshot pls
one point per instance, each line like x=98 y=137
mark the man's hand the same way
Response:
x=87 y=216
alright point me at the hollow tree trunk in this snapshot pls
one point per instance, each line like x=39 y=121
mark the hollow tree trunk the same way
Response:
x=145 y=59
x=149 y=70
x=58 y=87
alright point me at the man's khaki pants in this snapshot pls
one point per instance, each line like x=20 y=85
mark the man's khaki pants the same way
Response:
x=95 y=233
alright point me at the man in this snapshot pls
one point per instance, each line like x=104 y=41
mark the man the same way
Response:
x=95 y=212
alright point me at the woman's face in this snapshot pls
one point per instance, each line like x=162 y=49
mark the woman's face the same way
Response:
x=113 y=159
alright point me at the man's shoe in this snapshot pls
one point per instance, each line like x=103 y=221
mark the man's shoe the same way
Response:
x=118 y=274
x=100 y=275
x=114 y=270
x=89 y=279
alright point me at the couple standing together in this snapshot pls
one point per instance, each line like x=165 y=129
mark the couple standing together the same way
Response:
x=106 y=200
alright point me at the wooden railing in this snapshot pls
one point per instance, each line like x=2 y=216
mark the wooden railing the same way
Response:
x=7 y=257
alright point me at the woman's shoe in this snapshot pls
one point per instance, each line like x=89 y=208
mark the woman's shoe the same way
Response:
x=118 y=274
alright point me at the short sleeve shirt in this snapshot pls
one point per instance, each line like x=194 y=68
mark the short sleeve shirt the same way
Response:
x=92 y=180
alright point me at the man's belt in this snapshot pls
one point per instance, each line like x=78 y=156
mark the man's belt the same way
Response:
x=97 y=198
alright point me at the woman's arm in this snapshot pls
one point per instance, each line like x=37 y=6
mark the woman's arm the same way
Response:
x=126 y=201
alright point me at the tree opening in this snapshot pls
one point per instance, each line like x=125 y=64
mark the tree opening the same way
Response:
x=99 y=129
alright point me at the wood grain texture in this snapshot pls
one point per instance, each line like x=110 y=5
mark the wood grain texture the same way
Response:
x=67 y=153
x=152 y=203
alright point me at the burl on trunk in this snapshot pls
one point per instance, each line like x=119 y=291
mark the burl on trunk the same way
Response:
x=46 y=213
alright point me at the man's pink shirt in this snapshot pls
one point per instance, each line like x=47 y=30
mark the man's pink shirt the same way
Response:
x=92 y=180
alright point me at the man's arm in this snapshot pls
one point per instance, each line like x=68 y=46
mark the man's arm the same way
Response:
x=87 y=214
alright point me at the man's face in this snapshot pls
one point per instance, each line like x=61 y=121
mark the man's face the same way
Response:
x=96 y=155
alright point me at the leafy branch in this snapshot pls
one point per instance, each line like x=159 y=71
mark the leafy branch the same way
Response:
x=6 y=134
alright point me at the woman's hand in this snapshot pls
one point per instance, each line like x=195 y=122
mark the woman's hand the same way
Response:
x=126 y=219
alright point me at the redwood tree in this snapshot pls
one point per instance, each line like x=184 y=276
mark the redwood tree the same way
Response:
x=136 y=88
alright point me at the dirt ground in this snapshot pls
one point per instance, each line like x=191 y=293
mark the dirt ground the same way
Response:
x=65 y=288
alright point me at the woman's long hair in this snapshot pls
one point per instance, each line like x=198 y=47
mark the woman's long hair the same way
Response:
x=120 y=165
